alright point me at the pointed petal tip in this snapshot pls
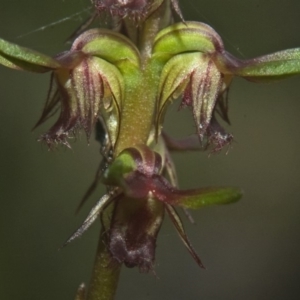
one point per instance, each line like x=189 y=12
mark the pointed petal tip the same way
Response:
x=92 y=216
x=181 y=232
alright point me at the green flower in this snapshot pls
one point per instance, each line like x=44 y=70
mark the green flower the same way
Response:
x=199 y=70
x=86 y=81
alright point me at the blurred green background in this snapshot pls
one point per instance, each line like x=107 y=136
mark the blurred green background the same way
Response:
x=250 y=249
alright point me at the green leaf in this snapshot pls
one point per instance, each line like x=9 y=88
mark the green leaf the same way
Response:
x=20 y=58
x=195 y=199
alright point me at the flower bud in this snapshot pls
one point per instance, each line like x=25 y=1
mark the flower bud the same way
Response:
x=135 y=9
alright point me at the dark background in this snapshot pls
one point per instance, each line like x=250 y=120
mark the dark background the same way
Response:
x=251 y=249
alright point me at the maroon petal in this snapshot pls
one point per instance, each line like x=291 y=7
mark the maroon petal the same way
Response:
x=134 y=228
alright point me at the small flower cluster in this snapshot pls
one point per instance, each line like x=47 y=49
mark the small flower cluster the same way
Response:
x=126 y=86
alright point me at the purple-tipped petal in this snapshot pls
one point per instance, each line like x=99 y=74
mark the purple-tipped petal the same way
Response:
x=205 y=85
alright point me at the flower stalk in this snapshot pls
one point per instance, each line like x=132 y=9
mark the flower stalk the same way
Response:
x=105 y=276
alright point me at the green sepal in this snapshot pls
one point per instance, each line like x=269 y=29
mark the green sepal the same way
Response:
x=174 y=78
x=111 y=46
x=113 y=94
x=186 y=37
x=21 y=58
x=265 y=68
x=197 y=75
x=122 y=165
x=195 y=199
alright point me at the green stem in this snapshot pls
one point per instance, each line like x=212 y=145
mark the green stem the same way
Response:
x=138 y=111
x=106 y=270
x=160 y=18
x=136 y=124
x=104 y=281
